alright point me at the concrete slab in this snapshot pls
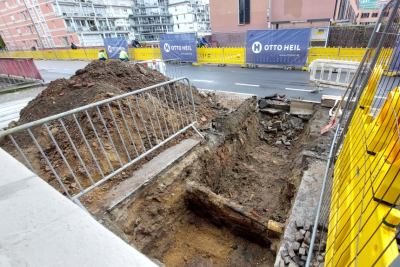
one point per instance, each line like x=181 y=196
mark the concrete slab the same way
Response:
x=159 y=163
x=302 y=107
x=306 y=203
x=41 y=227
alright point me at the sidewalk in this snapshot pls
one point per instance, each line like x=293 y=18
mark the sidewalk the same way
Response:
x=41 y=227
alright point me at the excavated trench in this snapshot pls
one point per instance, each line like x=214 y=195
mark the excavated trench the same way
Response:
x=227 y=201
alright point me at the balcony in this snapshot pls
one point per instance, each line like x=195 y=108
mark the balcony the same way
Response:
x=149 y=14
x=150 y=23
x=153 y=31
x=140 y=4
x=96 y=29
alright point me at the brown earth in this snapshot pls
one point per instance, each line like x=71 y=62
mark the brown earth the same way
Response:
x=96 y=82
x=250 y=182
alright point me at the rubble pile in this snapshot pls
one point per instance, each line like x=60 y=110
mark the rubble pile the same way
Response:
x=283 y=129
x=295 y=254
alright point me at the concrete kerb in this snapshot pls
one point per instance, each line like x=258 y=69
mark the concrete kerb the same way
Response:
x=23 y=87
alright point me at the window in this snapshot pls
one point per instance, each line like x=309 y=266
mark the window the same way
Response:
x=244 y=12
x=54 y=24
x=19 y=31
x=6 y=4
x=25 y=46
x=12 y=18
x=36 y=42
x=365 y=15
x=374 y=15
x=184 y=16
x=48 y=9
x=177 y=25
x=66 y=40
x=386 y=14
x=176 y=17
x=30 y=29
x=24 y=16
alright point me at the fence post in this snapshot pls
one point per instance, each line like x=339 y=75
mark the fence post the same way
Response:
x=85 y=52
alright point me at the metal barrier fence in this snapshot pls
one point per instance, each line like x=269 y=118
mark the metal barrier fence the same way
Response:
x=171 y=68
x=338 y=76
x=357 y=213
x=18 y=71
x=87 y=146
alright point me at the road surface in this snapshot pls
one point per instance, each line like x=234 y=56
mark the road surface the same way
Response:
x=261 y=81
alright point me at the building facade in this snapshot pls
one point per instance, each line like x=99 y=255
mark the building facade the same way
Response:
x=191 y=16
x=354 y=12
x=151 y=18
x=57 y=23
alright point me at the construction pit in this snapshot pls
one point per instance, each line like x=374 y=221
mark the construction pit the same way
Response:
x=225 y=201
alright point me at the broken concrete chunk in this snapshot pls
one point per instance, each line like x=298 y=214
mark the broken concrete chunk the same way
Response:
x=296 y=259
x=278 y=143
x=287 y=143
x=262 y=104
x=307 y=226
x=303 y=258
x=304 y=245
x=307 y=240
x=277 y=125
x=301 y=263
x=296 y=122
x=302 y=251
x=299 y=237
x=203 y=94
x=281 y=263
x=292 y=264
x=271 y=111
x=320 y=258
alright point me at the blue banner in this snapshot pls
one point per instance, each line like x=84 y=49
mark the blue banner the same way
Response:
x=114 y=46
x=179 y=46
x=279 y=47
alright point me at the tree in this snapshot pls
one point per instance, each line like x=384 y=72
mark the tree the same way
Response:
x=2 y=44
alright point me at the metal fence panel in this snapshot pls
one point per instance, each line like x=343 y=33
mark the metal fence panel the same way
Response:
x=357 y=214
x=95 y=142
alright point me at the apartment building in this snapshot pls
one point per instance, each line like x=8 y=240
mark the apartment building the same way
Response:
x=355 y=12
x=151 y=18
x=57 y=23
x=191 y=16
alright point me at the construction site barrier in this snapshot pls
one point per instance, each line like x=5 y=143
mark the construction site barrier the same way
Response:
x=227 y=55
x=18 y=71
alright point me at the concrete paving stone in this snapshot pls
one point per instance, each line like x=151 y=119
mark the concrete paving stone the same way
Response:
x=296 y=246
x=299 y=237
x=299 y=224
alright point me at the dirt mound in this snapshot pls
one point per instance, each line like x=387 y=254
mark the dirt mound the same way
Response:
x=116 y=133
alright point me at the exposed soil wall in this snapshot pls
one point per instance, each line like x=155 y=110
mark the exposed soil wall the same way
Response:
x=225 y=203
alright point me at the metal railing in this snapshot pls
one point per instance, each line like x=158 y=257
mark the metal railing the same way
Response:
x=93 y=143
x=358 y=210
x=17 y=72
x=339 y=73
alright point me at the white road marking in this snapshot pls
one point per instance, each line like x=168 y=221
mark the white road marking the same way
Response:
x=292 y=89
x=254 y=85
x=203 y=81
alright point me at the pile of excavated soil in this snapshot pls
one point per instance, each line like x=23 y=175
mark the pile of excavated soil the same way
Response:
x=98 y=81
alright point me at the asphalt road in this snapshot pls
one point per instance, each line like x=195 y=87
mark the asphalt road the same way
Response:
x=261 y=81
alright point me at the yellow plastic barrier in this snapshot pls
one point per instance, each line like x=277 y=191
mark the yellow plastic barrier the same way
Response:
x=49 y=54
x=77 y=54
x=351 y=54
x=62 y=54
x=157 y=53
x=385 y=57
x=234 y=55
x=38 y=55
x=366 y=171
x=322 y=53
x=4 y=54
x=145 y=53
x=131 y=53
x=17 y=54
x=28 y=54
x=92 y=53
x=210 y=55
